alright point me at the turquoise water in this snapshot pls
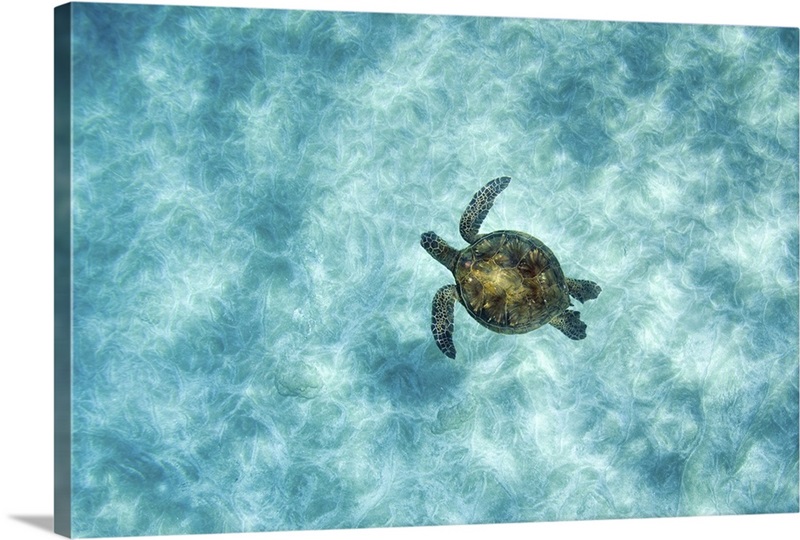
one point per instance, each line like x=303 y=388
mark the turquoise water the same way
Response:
x=252 y=346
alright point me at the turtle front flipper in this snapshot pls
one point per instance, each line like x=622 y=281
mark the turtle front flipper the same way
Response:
x=442 y=319
x=583 y=290
x=570 y=323
x=479 y=206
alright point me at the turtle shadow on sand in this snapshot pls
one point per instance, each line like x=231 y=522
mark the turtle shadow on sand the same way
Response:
x=508 y=281
x=401 y=371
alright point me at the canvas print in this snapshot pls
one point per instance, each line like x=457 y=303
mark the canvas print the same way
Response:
x=322 y=270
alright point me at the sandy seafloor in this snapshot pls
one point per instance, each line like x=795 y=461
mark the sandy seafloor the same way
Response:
x=252 y=346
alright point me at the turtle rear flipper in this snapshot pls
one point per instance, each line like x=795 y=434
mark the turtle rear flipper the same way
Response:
x=570 y=323
x=442 y=319
x=479 y=206
x=583 y=290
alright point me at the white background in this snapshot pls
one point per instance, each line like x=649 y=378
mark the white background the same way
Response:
x=26 y=245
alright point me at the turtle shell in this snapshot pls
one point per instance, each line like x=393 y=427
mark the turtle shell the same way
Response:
x=510 y=282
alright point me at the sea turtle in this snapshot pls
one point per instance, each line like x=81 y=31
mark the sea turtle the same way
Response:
x=508 y=281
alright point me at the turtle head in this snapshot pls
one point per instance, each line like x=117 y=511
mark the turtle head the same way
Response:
x=439 y=249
